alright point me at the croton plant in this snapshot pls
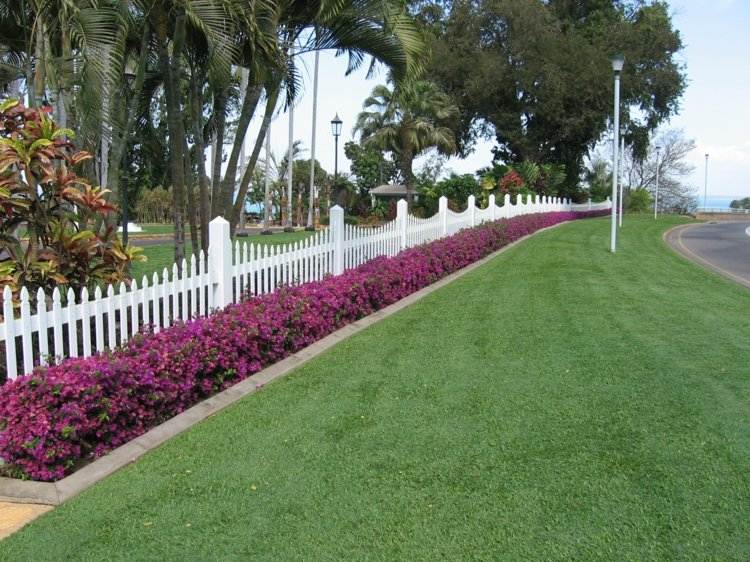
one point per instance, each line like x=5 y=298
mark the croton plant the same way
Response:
x=56 y=229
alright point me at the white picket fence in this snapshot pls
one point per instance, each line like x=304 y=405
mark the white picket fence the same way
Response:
x=59 y=328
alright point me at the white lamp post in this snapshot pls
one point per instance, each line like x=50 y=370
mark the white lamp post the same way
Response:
x=290 y=171
x=311 y=204
x=705 y=186
x=618 y=61
x=656 y=198
x=619 y=176
x=336 y=130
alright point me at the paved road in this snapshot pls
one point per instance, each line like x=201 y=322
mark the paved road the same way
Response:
x=723 y=247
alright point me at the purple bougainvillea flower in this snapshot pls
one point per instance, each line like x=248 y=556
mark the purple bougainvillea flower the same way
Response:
x=57 y=417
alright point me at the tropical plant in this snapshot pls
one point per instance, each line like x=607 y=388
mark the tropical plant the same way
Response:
x=407 y=119
x=53 y=227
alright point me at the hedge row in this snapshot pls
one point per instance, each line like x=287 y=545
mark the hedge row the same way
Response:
x=58 y=417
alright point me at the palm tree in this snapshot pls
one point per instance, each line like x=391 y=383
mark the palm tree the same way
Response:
x=406 y=120
x=381 y=29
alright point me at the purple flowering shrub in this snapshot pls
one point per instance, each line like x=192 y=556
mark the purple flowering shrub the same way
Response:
x=59 y=417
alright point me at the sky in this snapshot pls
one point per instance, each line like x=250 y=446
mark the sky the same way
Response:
x=714 y=111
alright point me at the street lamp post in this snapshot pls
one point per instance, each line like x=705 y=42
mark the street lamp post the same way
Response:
x=619 y=178
x=705 y=186
x=618 y=61
x=656 y=198
x=336 y=130
x=310 y=223
x=289 y=171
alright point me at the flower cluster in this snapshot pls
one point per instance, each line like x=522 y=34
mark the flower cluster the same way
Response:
x=58 y=417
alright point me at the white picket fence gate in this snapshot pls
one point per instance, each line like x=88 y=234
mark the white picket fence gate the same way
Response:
x=59 y=328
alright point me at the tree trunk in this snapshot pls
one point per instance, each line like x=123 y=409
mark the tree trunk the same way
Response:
x=120 y=140
x=249 y=103
x=170 y=68
x=196 y=111
x=271 y=99
x=192 y=210
x=220 y=106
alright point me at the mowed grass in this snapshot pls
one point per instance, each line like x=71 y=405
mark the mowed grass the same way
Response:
x=558 y=403
x=160 y=256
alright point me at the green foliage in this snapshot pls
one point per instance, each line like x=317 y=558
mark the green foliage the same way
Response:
x=154 y=206
x=456 y=188
x=407 y=120
x=369 y=166
x=59 y=212
x=536 y=75
x=740 y=203
x=639 y=200
x=301 y=174
x=598 y=178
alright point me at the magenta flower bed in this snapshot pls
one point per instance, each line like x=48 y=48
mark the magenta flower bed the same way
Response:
x=59 y=417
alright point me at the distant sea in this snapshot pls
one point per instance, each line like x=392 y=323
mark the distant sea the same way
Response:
x=718 y=202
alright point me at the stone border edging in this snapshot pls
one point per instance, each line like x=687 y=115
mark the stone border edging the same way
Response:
x=55 y=493
x=683 y=251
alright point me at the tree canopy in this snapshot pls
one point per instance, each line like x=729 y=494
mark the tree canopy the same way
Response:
x=536 y=75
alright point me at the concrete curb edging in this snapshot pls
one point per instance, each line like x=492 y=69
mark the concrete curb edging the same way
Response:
x=55 y=493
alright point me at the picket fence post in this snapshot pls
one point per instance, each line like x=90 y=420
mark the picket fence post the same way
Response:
x=491 y=205
x=220 y=263
x=336 y=220
x=472 y=205
x=402 y=212
x=443 y=212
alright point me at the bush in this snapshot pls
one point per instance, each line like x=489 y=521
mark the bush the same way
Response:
x=639 y=201
x=59 y=417
x=51 y=231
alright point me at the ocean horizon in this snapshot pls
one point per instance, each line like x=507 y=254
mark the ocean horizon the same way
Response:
x=719 y=201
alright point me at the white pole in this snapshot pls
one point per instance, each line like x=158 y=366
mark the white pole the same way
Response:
x=705 y=185
x=656 y=198
x=290 y=165
x=310 y=224
x=619 y=178
x=613 y=234
x=267 y=183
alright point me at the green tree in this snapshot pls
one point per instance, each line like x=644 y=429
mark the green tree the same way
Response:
x=536 y=74
x=598 y=179
x=406 y=120
x=369 y=166
x=740 y=203
x=639 y=201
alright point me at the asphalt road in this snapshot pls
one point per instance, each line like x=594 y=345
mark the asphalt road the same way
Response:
x=723 y=247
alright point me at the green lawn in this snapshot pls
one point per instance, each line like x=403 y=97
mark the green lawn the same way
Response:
x=162 y=255
x=558 y=403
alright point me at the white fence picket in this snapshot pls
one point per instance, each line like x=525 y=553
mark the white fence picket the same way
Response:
x=113 y=316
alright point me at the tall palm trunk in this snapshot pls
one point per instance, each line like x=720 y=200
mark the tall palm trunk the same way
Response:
x=196 y=113
x=220 y=106
x=192 y=210
x=272 y=96
x=170 y=68
x=127 y=111
x=250 y=100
